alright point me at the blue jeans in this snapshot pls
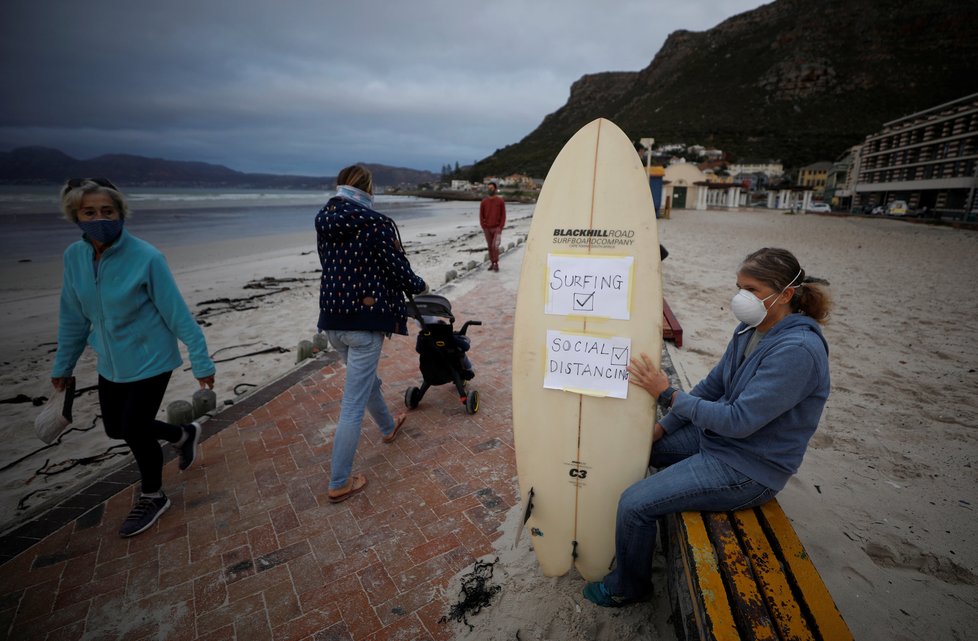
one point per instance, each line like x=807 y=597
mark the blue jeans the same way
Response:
x=360 y=351
x=687 y=480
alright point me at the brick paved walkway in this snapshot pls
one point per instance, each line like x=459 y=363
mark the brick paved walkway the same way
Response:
x=251 y=549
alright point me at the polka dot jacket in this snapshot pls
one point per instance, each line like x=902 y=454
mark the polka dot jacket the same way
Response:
x=365 y=271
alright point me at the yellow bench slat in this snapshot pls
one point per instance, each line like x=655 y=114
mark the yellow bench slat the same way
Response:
x=820 y=603
x=702 y=573
x=767 y=570
x=754 y=617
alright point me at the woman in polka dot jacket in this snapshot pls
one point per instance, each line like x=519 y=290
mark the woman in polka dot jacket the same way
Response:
x=361 y=300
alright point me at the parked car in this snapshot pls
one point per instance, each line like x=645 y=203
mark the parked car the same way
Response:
x=898 y=208
x=878 y=210
x=819 y=208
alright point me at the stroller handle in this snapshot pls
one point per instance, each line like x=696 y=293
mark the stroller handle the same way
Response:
x=461 y=332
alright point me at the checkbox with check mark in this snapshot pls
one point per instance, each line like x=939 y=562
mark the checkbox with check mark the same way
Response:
x=619 y=356
x=584 y=302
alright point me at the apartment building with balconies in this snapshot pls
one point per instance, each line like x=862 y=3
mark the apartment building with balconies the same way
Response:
x=928 y=159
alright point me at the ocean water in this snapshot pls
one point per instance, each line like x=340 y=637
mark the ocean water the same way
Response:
x=33 y=228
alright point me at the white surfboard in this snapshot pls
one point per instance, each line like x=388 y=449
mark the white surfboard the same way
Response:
x=590 y=296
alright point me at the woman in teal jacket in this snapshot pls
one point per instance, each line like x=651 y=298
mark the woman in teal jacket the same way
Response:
x=119 y=296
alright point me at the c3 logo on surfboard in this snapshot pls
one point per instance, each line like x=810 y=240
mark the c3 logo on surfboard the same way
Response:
x=578 y=472
x=581 y=237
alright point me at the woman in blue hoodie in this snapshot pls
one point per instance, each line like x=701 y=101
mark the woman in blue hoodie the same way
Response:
x=119 y=296
x=735 y=439
x=361 y=300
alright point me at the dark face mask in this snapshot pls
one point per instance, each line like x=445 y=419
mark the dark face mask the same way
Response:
x=102 y=231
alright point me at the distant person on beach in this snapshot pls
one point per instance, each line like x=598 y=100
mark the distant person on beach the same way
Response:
x=119 y=296
x=735 y=439
x=492 y=218
x=361 y=300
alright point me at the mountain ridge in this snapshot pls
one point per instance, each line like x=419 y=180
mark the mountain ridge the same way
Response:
x=45 y=165
x=780 y=81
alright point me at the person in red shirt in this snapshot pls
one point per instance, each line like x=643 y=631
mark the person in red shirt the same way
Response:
x=492 y=218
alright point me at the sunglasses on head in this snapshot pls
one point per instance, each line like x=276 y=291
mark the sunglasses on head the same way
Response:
x=77 y=182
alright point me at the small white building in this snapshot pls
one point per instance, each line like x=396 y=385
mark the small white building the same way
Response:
x=682 y=186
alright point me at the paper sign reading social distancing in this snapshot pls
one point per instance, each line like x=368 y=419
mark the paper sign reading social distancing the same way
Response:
x=587 y=364
x=589 y=285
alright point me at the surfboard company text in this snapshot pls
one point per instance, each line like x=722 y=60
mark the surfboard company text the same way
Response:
x=593 y=237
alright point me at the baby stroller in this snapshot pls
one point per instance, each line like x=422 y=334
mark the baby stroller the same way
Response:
x=442 y=351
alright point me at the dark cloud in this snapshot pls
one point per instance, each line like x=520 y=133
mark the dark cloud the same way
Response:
x=308 y=86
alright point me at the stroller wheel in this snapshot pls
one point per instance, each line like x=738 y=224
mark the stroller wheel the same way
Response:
x=472 y=402
x=412 y=397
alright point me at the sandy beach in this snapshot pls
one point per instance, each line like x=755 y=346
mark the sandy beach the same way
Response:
x=885 y=501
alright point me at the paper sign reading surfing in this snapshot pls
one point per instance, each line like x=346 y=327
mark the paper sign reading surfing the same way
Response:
x=587 y=364
x=589 y=286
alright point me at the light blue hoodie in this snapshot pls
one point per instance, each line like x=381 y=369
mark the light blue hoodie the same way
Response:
x=128 y=308
x=758 y=414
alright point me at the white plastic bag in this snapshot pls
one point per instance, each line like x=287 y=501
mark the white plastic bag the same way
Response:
x=55 y=416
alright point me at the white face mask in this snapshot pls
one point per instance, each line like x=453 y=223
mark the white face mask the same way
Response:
x=751 y=310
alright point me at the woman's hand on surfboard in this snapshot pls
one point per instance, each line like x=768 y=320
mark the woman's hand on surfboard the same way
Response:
x=643 y=373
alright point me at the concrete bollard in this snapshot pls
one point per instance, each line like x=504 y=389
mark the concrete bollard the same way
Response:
x=320 y=342
x=179 y=413
x=204 y=400
x=450 y=275
x=303 y=351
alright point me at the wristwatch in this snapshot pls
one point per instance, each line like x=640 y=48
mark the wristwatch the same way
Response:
x=665 y=398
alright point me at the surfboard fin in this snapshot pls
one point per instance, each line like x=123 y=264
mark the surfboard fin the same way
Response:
x=526 y=517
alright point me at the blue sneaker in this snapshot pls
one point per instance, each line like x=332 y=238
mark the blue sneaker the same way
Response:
x=598 y=594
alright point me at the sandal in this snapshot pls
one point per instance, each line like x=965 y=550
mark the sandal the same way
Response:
x=357 y=483
x=398 y=422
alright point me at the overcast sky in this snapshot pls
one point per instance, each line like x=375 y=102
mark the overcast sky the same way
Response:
x=306 y=86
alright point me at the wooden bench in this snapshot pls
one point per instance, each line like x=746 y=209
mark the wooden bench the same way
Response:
x=745 y=575
x=671 y=329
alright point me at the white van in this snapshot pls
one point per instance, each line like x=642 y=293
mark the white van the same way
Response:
x=898 y=208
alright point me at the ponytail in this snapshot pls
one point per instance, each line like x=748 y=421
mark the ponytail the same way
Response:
x=812 y=299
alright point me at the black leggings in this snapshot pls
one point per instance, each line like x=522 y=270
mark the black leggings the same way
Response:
x=129 y=413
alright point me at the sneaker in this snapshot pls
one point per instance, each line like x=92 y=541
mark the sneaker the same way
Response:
x=598 y=594
x=144 y=514
x=188 y=450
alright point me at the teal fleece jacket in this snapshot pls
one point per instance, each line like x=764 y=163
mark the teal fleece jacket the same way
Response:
x=128 y=308
x=758 y=414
